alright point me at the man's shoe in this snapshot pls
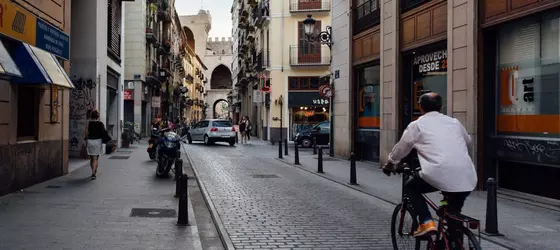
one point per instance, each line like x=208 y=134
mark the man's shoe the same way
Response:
x=426 y=228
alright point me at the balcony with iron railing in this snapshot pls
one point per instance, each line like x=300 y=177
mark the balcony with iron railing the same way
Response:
x=310 y=5
x=263 y=13
x=152 y=73
x=164 y=12
x=366 y=16
x=407 y=5
x=264 y=60
x=310 y=55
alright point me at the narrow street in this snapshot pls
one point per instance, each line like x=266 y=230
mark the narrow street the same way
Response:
x=266 y=204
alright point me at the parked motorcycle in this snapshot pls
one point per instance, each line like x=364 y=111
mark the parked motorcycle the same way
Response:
x=170 y=149
x=154 y=139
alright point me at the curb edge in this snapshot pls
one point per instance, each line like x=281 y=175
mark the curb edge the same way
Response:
x=226 y=241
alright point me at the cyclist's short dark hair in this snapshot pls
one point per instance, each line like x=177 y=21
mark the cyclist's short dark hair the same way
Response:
x=431 y=102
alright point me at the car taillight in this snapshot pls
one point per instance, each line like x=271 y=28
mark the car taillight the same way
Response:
x=214 y=130
x=233 y=129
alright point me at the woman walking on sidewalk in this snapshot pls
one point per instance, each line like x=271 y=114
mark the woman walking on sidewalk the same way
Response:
x=242 y=129
x=96 y=135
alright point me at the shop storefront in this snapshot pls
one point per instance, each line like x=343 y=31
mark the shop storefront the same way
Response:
x=523 y=126
x=33 y=86
x=368 y=110
x=306 y=109
x=427 y=67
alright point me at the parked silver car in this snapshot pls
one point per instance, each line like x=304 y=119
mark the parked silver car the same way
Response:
x=212 y=130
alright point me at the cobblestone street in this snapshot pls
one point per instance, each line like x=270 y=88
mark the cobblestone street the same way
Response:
x=266 y=204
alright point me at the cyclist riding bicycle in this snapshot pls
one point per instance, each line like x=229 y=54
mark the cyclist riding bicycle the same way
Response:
x=442 y=144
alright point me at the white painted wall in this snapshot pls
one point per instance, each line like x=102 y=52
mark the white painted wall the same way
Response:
x=89 y=61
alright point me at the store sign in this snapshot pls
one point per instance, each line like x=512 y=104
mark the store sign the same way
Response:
x=21 y=25
x=128 y=94
x=320 y=101
x=305 y=99
x=431 y=62
x=156 y=102
x=257 y=96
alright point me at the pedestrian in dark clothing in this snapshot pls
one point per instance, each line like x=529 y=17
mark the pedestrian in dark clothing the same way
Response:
x=95 y=135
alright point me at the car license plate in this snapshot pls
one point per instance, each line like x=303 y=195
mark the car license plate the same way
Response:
x=151 y=145
x=225 y=136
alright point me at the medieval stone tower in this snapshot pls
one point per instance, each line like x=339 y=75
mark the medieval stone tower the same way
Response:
x=216 y=54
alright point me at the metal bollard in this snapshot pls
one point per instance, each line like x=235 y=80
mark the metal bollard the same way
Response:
x=492 y=208
x=285 y=146
x=296 y=152
x=183 y=216
x=353 y=179
x=314 y=145
x=320 y=161
x=178 y=174
x=236 y=137
x=280 y=148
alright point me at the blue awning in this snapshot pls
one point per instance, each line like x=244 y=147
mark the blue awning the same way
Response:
x=38 y=67
x=7 y=65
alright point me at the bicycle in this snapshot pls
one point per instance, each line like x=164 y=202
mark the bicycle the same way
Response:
x=446 y=218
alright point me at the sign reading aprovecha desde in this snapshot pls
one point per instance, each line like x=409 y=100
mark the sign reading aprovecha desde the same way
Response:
x=431 y=62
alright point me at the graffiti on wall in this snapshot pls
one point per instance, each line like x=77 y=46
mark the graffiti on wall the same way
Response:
x=82 y=103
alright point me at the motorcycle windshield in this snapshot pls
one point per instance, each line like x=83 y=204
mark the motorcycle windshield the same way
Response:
x=172 y=136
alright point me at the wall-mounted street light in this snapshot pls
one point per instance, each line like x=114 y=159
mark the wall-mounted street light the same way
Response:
x=324 y=37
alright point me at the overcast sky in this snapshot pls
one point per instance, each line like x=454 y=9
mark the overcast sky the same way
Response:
x=219 y=9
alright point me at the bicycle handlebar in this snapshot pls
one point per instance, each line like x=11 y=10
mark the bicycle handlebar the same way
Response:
x=402 y=168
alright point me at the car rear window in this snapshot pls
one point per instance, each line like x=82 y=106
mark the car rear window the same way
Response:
x=221 y=124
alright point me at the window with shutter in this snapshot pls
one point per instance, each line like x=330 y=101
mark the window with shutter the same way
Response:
x=114 y=29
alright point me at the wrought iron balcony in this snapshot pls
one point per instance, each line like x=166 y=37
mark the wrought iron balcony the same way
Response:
x=366 y=16
x=309 y=55
x=310 y=5
x=264 y=60
x=407 y=5
x=264 y=13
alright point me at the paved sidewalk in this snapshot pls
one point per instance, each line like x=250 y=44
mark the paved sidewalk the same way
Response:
x=524 y=226
x=74 y=212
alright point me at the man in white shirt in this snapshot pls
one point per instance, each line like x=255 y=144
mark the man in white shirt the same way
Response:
x=442 y=144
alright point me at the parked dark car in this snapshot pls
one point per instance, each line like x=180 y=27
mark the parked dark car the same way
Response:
x=321 y=132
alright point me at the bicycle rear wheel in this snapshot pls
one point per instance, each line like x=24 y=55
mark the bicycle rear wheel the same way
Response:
x=403 y=224
x=467 y=241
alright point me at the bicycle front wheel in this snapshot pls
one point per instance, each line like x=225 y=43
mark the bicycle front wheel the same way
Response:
x=403 y=224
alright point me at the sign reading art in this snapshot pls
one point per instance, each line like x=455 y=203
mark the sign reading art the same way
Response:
x=22 y=25
x=431 y=62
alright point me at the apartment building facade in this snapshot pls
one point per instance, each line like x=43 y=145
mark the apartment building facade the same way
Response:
x=155 y=72
x=97 y=69
x=280 y=67
x=35 y=92
x=495 y=63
